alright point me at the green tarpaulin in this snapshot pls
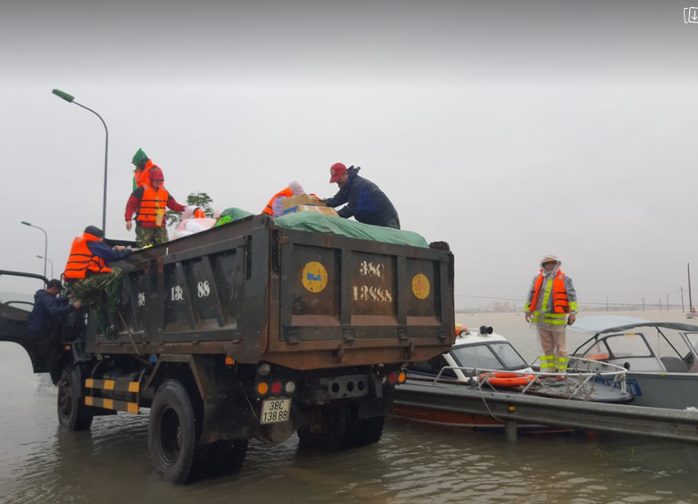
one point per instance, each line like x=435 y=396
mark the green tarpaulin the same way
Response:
x=320 y=223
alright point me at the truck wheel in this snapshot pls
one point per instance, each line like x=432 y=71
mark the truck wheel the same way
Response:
x=225 y=457
x=365 y=431
x=172 y=434
x=72 y=412
x=374 y=429
x=332 y=433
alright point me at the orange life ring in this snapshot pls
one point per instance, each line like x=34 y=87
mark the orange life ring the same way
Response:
x=598 y=357
x=506 y=379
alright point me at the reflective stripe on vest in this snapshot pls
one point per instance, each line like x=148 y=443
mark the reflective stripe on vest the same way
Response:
x=153 y=204
x=81 y=260
x=549 y=318
x=269 y=209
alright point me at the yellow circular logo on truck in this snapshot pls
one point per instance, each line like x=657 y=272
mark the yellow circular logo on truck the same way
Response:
x=314 y=276
x=420 y=286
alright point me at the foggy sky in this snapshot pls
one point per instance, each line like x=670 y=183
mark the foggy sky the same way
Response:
x=509 y=129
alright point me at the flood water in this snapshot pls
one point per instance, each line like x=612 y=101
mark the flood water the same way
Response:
x=413 y=463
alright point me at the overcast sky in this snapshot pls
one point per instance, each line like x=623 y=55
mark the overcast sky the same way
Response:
x=509 y=129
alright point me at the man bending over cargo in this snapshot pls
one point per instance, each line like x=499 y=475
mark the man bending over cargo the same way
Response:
x=88 y=275
x=364 y=199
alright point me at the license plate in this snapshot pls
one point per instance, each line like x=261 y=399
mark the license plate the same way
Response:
x=275 y=410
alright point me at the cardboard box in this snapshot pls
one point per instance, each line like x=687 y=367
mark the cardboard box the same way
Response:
x=319 y=209
x=292 y=203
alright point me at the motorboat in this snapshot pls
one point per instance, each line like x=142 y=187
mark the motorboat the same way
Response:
x=661 y=357
x=485 y=361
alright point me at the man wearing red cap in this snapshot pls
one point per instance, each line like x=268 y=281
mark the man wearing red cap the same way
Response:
x=151 y=202
x=364 y=199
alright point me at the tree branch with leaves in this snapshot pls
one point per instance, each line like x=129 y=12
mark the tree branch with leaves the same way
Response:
x=199 y=199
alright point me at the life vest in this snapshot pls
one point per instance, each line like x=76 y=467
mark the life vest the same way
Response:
x=269 y=209
x=561 y=302
x=81 y=261
x=142 y=177
x=153 y=205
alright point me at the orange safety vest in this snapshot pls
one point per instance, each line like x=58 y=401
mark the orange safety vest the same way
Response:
x=142 y=177
x=153 y=204
x=561 y=303
x=81 y=260
x=269 y=209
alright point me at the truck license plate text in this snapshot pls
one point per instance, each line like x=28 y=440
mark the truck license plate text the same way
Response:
x=275 y=410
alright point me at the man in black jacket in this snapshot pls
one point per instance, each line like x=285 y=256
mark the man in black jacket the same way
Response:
x=48 y=309
x=364 y=199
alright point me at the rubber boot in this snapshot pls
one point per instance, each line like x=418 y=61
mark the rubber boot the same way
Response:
x=104 y=324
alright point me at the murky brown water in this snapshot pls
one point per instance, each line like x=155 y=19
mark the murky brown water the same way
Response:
x=413 y=463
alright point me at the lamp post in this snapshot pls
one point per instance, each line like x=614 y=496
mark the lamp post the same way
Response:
x=49 y=260
x=45 y=241
x=71 y=99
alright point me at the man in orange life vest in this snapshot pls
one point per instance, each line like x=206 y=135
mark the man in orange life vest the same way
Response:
x=151 y=201
x=88 y=275
x=275 y=206
x=551 y=305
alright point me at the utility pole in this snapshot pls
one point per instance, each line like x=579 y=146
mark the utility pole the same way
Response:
x=660 y=304
x=643 y=304
x=690 y=301
x=607 y=303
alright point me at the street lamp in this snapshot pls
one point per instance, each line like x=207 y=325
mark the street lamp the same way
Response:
x=71 y=99
x=45 y=241
x=49 y=260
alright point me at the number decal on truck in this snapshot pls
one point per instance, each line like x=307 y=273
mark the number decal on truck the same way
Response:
x=141 y=299
x=177 y=293
x=420 y=286
x=203 y=289
x=370 y=293
x=314 y=277
x=371 y=269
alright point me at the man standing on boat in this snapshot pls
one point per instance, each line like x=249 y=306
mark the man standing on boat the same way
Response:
x=551 y=305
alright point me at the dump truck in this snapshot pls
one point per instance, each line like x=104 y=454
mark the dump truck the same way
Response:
x=249 y=330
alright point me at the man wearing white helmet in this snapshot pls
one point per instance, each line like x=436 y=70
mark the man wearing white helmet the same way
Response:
x=551 y=305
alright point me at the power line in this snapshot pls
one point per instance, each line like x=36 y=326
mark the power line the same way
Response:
x=523 y=300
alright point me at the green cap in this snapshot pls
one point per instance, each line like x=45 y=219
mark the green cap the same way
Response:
x=139 y=157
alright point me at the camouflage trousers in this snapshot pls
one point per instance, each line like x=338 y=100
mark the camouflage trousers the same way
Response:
x=89 y=290
x=150 y=236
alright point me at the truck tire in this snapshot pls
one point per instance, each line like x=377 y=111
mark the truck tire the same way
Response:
x=172 y=434
x=364 y=431
x=373 y=429
x=225 y=457
x=72 y=412
x=332 y=433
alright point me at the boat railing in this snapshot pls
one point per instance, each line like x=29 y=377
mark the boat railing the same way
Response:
x=582 y=375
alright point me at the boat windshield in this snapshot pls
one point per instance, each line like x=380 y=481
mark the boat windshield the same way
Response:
x=625 y=345
x=495 y=355
x=693 y=340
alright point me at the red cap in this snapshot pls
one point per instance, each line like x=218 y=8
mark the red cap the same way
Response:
x=156 y=174
x=336 y=171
